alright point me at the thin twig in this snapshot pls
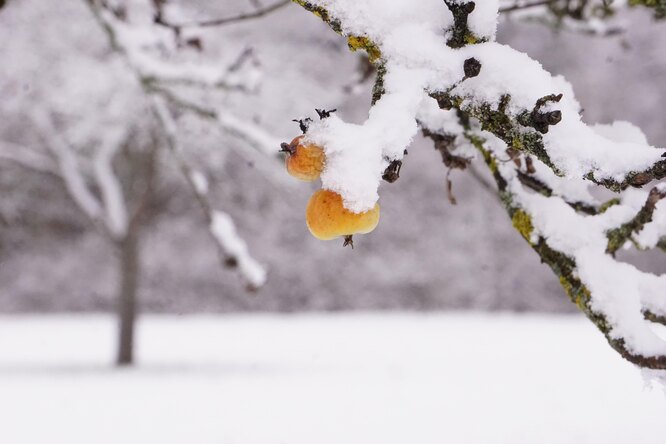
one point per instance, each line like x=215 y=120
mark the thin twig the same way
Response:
x=224 y=20
x=481 y=179
x=518 y=5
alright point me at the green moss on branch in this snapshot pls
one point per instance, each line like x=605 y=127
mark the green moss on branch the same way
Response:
x=619 y=236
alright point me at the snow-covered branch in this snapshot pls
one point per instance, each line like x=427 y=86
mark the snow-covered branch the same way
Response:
x=70 y=170
x=232 y=248
x=441 y=68
x=550 y=136
x=154 y=75
x=109 y=211
x=614 y=295
x=143 y=46
x=26 y=158
x=253 y=135
x=248 y=133
x=115 y=207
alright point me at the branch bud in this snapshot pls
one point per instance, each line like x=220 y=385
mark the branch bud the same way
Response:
x=472 y=68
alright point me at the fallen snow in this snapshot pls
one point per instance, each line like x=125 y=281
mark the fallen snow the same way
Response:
x=365 y=378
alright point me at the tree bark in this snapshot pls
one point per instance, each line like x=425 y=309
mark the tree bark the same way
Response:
x=128 y=257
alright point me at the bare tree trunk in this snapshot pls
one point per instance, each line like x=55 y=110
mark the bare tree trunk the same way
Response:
x=127 y=295
x=142 y=176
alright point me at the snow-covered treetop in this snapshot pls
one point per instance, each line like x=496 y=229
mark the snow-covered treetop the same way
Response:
x=80 y=116
x=440 y=70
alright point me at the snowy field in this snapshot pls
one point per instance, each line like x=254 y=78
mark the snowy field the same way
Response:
x=323 y=379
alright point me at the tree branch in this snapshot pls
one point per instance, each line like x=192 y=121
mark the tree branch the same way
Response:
x=564 y=266
x=525 y=5
x=260 y=12
x=71 y=174
x=620 y=235
x=27 y=158
x=549 y=204
x=232 y=249
x=115 y=207
x=523 y=133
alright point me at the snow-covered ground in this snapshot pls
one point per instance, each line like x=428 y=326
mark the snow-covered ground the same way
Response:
x=320 y=379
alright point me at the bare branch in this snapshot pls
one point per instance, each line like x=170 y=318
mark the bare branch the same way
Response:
x=525 y=5
x=224 y=20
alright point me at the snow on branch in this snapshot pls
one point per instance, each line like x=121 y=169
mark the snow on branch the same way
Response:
x=144 y=46
x=108 y=211
x=155 y=75
x=70 y=170
x=27 y=158
x=441 y=70
x=252 y=135
x=232 y=248
x=115 y=207
x=224 y=231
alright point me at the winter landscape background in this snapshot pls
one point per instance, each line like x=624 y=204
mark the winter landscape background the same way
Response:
x=275 y=378
x=426 y=253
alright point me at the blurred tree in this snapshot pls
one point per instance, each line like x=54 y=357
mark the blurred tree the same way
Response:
x=103 y=129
